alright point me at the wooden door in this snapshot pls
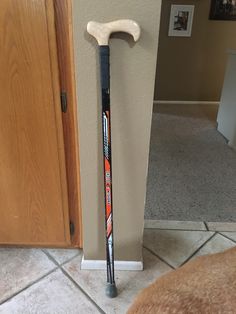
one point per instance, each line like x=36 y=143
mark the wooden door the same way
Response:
x=33 y=189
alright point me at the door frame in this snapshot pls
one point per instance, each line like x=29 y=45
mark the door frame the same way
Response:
x=65 y=51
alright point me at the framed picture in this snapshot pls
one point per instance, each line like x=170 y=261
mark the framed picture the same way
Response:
x=223 y=10
x=181 y=20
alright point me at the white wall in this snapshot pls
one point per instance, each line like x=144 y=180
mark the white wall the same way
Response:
x=227 y=111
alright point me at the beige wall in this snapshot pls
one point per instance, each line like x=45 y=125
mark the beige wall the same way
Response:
x=193 y=68
x=132 y=88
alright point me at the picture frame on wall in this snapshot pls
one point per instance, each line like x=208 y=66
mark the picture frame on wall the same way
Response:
x=181 y=20
x=223 y=10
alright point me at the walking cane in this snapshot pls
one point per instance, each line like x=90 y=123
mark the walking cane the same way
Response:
x=102 y=32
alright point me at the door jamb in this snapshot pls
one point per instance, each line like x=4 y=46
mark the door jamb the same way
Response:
x=64 y=35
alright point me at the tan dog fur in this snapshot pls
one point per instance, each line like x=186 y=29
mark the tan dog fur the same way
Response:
x=205 y=285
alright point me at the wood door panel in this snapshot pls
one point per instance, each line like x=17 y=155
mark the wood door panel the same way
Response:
x=33 y=196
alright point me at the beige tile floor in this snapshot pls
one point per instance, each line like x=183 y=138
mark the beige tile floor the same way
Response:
x=50 y=281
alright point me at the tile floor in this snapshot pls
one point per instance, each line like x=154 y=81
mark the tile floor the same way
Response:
x=50 y=280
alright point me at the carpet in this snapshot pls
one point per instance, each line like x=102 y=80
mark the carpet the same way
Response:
x=192 y=170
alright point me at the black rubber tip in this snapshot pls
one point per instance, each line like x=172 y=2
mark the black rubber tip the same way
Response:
x=111 y=291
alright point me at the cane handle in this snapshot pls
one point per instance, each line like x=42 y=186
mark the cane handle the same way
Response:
x=102 y=31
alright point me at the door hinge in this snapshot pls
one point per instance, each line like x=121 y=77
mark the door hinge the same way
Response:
x=63 y=101
x=72 y=228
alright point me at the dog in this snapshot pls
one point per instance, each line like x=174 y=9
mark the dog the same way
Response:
x=205 y=285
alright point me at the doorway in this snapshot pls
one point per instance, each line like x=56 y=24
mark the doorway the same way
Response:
x=192 y=169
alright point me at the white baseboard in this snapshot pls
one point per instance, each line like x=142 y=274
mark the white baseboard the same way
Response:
x=231 y=144
x=184 y=102
x=174 y=225
x=119 y=265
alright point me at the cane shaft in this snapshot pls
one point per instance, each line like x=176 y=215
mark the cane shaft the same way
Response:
x=106 y=128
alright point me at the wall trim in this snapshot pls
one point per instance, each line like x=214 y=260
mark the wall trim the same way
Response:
x=174 y=225
x=119 y=265
x=190 y=225
x=185 y=102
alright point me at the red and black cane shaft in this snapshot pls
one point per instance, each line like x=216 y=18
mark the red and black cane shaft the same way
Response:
x=102 y=32
x=107 y=160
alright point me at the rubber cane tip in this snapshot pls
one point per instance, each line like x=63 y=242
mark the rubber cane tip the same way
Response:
x=111 y=290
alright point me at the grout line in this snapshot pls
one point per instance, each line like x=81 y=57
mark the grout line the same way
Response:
x=28 y=286
x=82 y=290
x=69 y=259
x=55 y=261
x=201 y=246
x=50 y=257
x=223 y=235
x=71 y=279
x=162 y=259
x=206 y=226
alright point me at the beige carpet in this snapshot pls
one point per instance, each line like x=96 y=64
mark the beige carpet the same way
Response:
x=192 y=170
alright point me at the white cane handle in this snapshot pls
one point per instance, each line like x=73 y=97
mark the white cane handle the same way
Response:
x=102 y=31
